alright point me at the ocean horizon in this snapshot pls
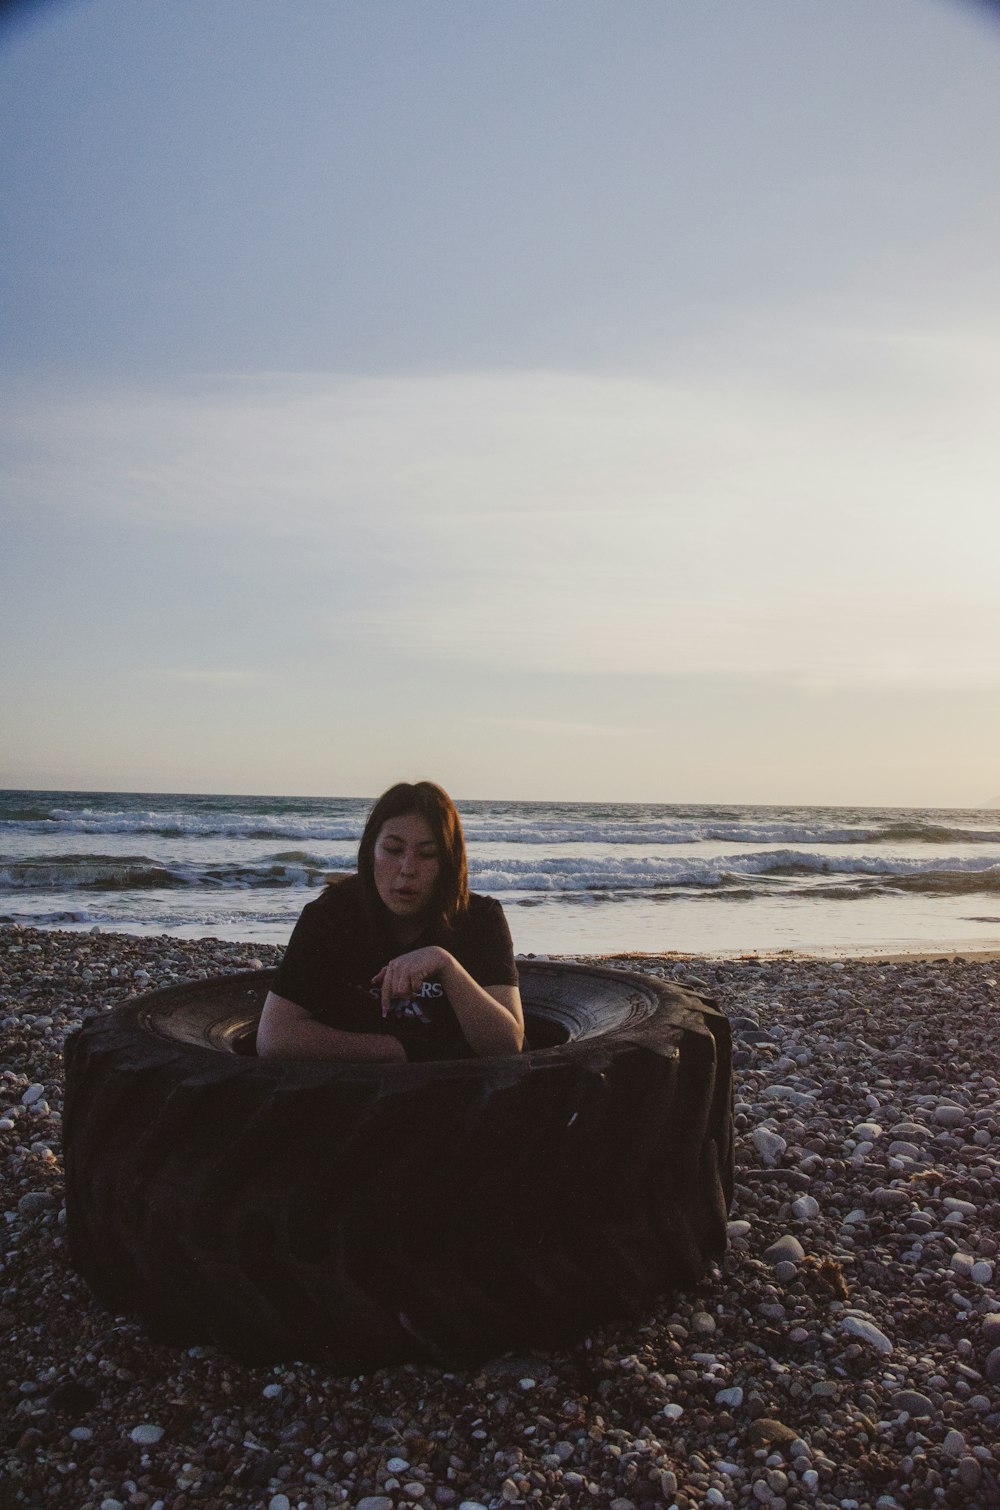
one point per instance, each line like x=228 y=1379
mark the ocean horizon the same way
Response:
x=574 y=877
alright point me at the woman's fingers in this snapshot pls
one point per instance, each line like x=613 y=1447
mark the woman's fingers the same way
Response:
x=404 y=975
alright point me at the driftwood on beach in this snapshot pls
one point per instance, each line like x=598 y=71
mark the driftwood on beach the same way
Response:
x=846 y=1350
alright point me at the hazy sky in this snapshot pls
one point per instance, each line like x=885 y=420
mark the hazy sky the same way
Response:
x=588 y=399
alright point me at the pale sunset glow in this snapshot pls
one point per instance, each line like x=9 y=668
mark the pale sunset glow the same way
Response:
x=572 y=402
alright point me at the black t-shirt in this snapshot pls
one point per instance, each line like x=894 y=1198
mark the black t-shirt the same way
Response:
x=335 y=951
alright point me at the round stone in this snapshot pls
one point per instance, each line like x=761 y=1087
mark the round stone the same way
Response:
x=970 y=1472
x=766 y=1431
x=787 y=1249
x=867 y=1331
x=35 y=1204
x=912 y=1401
x=146 y=1434
x=731 y=1398
x=770 y=1145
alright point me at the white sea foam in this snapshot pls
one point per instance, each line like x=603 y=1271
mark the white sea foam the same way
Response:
x=555 y=874
x=580 y=876
x=519 y=826
x=195 y=825
x=650 y=873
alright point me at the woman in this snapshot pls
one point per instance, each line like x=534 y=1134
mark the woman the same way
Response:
x=400 y=961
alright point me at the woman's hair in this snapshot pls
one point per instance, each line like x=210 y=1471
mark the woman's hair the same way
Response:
x=432 y=803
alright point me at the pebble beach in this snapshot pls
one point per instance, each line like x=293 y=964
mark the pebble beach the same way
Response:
x=846 y=1352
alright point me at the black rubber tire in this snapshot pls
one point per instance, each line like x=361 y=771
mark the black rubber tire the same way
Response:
x=361 y=1215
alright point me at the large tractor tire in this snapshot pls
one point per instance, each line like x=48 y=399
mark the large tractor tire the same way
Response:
x=362 y=1214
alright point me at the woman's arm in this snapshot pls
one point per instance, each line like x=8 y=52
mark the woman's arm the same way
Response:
x=287 y=1031
x=490 y=1017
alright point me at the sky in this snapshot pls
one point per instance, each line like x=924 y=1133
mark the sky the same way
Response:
x=589 y=400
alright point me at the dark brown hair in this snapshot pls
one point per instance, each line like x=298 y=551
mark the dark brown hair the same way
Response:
x=432 y=803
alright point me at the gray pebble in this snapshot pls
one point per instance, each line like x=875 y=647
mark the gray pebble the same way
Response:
x=867 y=1331
x=146 y=1435
x=888 y=1197
x=787 y=1249
x=970 y=1472
x=36 y=1203
x=770 y=1145
x=914 y=1402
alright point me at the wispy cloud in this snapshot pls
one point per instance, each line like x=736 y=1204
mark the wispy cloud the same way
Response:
x=815 y=505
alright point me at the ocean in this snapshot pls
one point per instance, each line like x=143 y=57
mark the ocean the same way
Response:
x=574 y=878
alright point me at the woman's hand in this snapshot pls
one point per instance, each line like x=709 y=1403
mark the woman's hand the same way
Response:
x=490 y=1017
x=404 y=975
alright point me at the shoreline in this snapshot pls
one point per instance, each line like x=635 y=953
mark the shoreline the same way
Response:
x=859 y=1368
x=793 y=956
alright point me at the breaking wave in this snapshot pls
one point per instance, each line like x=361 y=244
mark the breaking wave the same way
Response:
x=555 y=875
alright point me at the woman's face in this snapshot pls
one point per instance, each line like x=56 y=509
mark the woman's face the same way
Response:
x=406 y=865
